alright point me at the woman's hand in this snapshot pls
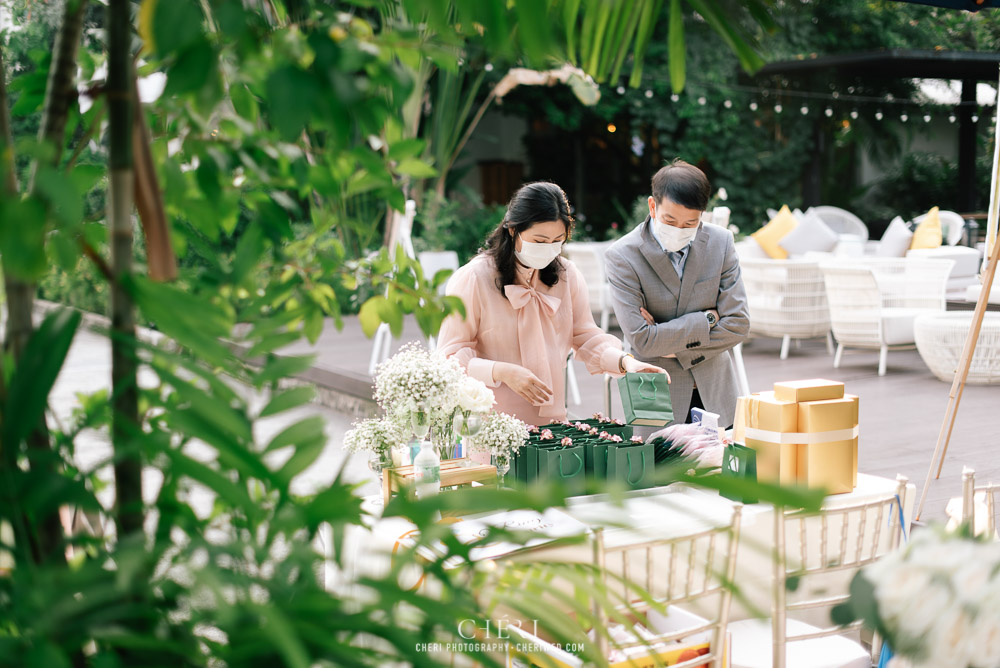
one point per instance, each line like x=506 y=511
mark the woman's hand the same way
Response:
x=632 y=365
x=646 y=315
x=522 y=381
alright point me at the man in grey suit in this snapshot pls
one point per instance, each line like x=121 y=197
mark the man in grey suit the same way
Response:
x=678 y=295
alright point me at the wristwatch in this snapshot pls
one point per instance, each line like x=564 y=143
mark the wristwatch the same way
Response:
x=711 y=318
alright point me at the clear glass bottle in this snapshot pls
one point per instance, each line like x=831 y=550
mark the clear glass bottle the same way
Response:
x=427 y=471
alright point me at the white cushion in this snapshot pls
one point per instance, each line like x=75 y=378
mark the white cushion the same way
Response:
x=897 y=325
x=749 y=249
x=967 y=260
x=850 y=245
x=751 y=645
x=972 y=292
x=896 y=240
x=812 y=234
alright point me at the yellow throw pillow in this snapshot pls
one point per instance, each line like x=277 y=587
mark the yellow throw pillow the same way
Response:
x=928 y=233
x=776 y=230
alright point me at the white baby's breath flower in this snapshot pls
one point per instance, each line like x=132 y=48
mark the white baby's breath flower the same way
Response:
x=502 y=435
x=376 y=436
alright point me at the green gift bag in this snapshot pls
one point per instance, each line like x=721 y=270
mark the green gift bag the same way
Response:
x=632 y=463
x=646 y=399
x=739 y=462
x=595 y=457
x=611 y=428
x=565 y=464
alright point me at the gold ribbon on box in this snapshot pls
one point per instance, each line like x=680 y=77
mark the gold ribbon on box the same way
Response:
x=802 y=438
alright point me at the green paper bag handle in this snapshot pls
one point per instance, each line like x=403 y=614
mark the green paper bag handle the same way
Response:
x=628 y=476
x=579 y=461
x=642 y=381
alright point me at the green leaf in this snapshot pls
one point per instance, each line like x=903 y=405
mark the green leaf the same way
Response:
x=192 y=69
x=305 y=455
x=416 y=168
x=291 y=93
x=675 y=44
x=314 y=323
x=22 y=237
x=248 y=251
x=36 y=372
x=64 y=250
x=390 y=312
x=369 y=317
x=58 y=189
x=534 y=30
x=302 y=431
x=280 y=366
x=176 y=24
x=406 y=148
x=288 y=400
x=186 y=318
x=235 y=495
x=85 y=177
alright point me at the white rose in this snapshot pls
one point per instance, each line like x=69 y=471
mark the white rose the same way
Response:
x=923 y=612
x=984 y=644
x=971 y=579
x=723 y=195
x=473 y=395
x=898 y=589
x=949 y=641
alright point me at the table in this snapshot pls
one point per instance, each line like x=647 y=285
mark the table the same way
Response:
x=941 y=337
x=659 y=512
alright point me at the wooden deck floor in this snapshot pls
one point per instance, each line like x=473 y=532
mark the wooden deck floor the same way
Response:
x=901 y=413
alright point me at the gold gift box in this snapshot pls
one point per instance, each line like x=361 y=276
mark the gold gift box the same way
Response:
x=776 y=462
x=814 y=389
x=792 y=453
x=833 y=464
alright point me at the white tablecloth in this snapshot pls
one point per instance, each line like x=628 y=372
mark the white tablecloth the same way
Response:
x=665 y=512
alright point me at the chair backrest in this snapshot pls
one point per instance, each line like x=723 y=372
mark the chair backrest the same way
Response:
x=434 y=261
x=589 y=259
x=695 y=567
x=850 y=537
x=855 y=304
x=842 y=221
x=952 y=226
x=990 y=494
x=786 y=297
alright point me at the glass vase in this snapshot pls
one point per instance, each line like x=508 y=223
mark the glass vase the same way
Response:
x=502 y=462
x=467 y=424
x=376 y=464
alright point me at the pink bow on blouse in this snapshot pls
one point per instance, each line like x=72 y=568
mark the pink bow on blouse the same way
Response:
x=532 y=329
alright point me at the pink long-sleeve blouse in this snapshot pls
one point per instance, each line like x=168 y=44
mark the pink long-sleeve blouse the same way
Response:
x=530 y=324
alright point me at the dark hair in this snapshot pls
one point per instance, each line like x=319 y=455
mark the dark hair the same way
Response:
x=538 y=202
x=682 y=183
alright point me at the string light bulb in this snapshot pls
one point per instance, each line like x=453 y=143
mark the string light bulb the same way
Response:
x=649 y=93
x=753 y=106
x=621 y=90
x=702 y=100
x=828 y=112
x=728 y=104
x=611 y=127
x=777 y=108
x=675 y=97
x=927 y=118
x=804 y=110
x=975 y=118
x=903 y=117
x=951 y=118
x=488 y=67
x=854 y=114
x=878 y=115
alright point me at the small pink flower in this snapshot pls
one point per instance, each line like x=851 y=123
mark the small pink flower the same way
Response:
x=566 y=442
x=605 y=435
x=619 y=422
x=599 y=416
x=566 y=423
x=616 y=438
x=593 y=432
x=637 y=439
x=533 y=429
x=547 y=434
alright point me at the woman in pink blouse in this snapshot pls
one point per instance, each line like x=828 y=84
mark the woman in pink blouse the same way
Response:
x=526 y=308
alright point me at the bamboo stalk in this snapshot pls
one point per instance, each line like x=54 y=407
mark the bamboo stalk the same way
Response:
x=124 y=421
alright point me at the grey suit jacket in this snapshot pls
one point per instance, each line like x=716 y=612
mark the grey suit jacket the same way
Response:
x=641 y=274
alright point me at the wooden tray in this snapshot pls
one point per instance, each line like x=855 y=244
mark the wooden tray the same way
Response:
x=454 y=472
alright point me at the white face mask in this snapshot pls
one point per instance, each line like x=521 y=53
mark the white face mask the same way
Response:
x=536 y=255
x=674 y=238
